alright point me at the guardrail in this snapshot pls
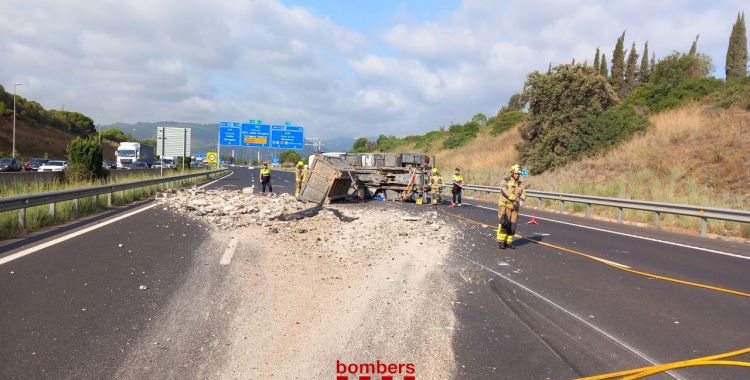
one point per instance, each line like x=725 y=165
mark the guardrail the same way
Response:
x=22 y=202
x=704 y=213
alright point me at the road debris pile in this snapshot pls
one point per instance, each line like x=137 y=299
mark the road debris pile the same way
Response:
x=285 y=218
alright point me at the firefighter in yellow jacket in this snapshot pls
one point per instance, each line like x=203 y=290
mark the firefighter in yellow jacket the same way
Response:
x=512 y=196
x=298 y=177
x=436 y=185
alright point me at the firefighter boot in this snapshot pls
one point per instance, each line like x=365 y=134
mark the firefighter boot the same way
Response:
x=501 y=244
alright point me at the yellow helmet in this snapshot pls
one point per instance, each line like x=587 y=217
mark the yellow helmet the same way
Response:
x=300 y=163
x=435 y=170
x=515 y=169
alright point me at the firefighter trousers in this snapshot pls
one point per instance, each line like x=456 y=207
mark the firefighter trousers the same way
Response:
x=504 y=235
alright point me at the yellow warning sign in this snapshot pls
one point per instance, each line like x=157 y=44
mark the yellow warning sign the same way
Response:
x=212 y=157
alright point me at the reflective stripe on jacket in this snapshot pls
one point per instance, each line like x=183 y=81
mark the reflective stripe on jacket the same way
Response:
x=265 y=172
x=511 y=190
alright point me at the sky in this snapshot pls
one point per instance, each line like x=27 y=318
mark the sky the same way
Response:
x=338 y=68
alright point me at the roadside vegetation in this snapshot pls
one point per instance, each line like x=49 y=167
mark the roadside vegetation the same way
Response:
x=40 y=216
x=663 y=130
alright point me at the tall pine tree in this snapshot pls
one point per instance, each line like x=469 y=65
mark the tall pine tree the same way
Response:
x=737 y=58
x=596 y=59
x=617 y=79
x=644 y=74
x=603 y=69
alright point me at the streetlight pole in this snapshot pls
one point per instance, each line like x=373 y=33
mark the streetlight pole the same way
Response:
x=15 y=85
x=133 y=135
x=100 y=129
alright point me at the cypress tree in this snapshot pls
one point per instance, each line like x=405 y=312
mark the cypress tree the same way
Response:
x=694 y=47
x=736 y=66
x=618 y=64
x=630 y=73
x=549 y=69
x=603 y=69
x=596 y=59
x=644 y=74
x=652 y=65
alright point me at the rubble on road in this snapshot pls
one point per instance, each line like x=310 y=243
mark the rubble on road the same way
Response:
x=333 y=226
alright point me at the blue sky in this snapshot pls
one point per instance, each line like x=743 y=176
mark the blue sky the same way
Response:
x=357 y=68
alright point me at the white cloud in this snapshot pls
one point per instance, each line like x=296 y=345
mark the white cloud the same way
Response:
x=204 y=62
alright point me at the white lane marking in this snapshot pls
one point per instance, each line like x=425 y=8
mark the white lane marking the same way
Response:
x=229 y=252
x=50 y=243
x=613 y=263
x=70 y=236
x=580 y=319
x=634 y=236
x=216 y=180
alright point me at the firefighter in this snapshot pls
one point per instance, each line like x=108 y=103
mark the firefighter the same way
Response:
x=436 y=185
x=512 y=197
x=298 y=177
x=458 y=186
x=265 y=179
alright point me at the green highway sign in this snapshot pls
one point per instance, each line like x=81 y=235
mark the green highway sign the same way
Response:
x=260 y=121
x=287 y=123
x=251 y=121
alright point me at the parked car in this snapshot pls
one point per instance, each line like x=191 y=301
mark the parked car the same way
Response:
x=53 y=166
x=156 y=165
x=10 y=165
x=110 y=164
x=139 y=165
x=33 y=164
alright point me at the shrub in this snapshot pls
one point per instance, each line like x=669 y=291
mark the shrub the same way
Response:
x=78 y=173
x=599 y=131
x=506 y=120
x=88 y=153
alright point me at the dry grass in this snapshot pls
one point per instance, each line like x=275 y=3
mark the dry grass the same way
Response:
x=36 y=141
x=695 y=155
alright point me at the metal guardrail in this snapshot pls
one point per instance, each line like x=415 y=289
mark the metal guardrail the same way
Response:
x=658 y=208
x=22 y=202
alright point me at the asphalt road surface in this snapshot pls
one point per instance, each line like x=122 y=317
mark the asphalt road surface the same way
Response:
x=577 y=298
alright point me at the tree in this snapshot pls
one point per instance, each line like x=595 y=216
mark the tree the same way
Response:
x=596 y=59
x=631 y=72
x=479 y=118
x=360 y=145
x=290 y=156
x=603 y=70
x=556 y=102
x=85 y=160
x=644 y=74
x=737 y=57
x=617 y=79
x=515 y=103
x=694 y=47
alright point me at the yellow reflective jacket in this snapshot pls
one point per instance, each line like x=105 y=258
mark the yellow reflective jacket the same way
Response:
x=436 y=181
x=511 y=190
x=298 y=174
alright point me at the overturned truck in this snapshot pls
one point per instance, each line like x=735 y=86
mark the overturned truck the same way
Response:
x=390 y=176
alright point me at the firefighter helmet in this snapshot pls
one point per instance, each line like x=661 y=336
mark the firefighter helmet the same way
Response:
x=435 y=170
x=515 y=169
x=300 y=163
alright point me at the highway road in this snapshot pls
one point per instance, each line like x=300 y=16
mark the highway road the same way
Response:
x=577 y=298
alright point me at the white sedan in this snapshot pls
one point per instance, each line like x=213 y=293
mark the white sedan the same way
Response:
x=53 y=166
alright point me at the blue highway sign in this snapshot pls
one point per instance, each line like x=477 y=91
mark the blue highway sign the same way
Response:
x=229 y=133
x=524 y=172
x=256 y=135
x=287 y=137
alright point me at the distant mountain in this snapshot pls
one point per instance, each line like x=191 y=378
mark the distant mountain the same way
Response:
x=204 y=137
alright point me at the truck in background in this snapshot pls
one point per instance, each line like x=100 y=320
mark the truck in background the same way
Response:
x=168 y=162
x=129 y=152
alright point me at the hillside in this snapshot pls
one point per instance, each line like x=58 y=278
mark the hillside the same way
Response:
x=694 y=155
x=38 y=141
